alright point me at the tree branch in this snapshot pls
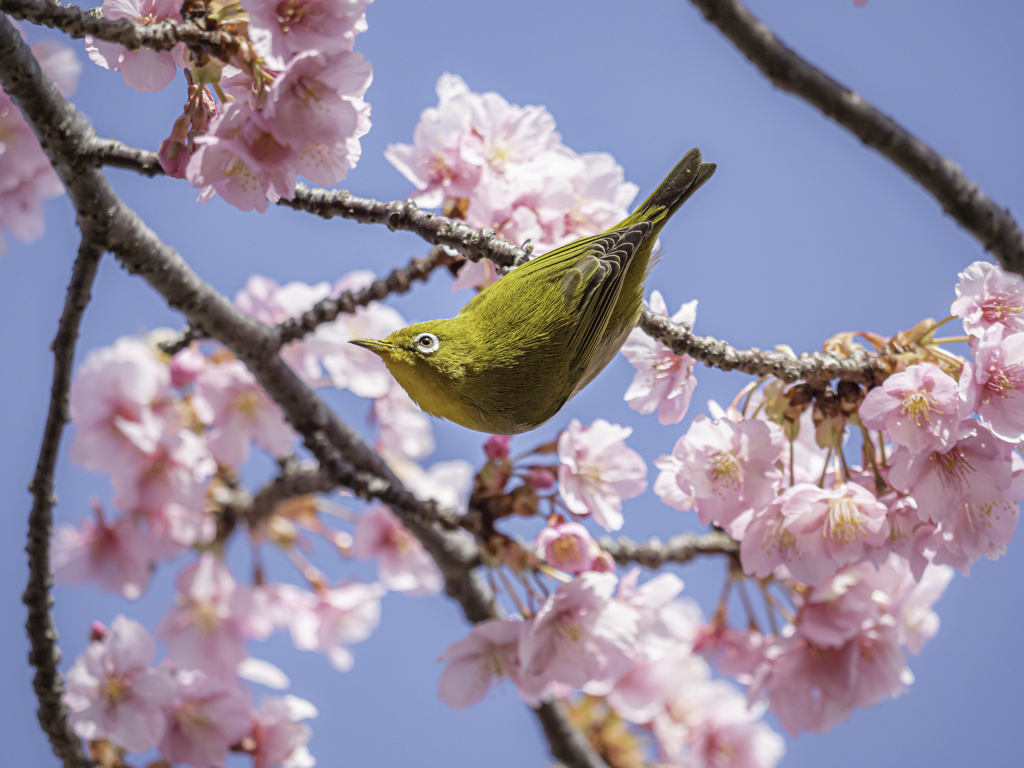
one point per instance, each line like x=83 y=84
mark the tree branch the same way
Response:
x=406 y=215
x=42 y=634
x=681 y=548
x=567 y=743
x=161 y=36
x=817 y=368
x=399 y=281
x=113 y=153
x=993 y=226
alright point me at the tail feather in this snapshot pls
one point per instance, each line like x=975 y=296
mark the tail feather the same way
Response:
x=686 y=178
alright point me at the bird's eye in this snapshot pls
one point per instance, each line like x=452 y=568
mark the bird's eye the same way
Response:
x=426 y=343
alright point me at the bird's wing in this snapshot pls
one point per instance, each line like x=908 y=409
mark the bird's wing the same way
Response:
x=592 y=287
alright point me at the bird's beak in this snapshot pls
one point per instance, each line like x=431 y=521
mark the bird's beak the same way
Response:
x=377 y=346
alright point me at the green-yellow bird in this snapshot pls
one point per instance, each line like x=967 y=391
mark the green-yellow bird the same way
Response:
x=526 y=344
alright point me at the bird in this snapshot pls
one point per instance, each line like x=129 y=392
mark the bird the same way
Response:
x=526 y=344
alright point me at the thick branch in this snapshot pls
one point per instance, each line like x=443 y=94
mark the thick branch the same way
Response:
x=817 y=368
x=77 y=22
x=994 y=227
x=42 y=634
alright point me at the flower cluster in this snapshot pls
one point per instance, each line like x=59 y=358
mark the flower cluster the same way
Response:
x=633 y=645
x=192 y=715
x=863 y=550
x=503 y=166
x=26 y=177
x=291 y=97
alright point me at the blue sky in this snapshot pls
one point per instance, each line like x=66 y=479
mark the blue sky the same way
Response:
x=802 y=233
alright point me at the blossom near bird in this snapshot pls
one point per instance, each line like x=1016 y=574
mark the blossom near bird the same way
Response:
x=526 y=344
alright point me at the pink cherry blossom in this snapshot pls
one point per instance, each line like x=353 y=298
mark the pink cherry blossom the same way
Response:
x=120 y=405
x=476 y=274
x=402 y=563
x=330 y=618
x=812 y=688
x=175 y=472
x=241 y=160
x=316 y=106
x=644 y=693
x=117 y=556
x=403 y=430
x=207 y=628
x=734 y=652
x=144 y=69
x=208 y=715
x=348 y=366
x=993 y=384
x=186 y=365
x=26 y=176
x=976 y=470
x=603 y=196
x=836 y=610
x=918 y=408
x=598 y=471
x=579 y=636
x=664 y=381
x=264 y=300
x=60 y=64
x=487 y=654
x=238 y=411
x=730 y=734
x=726 y=469
x=112 y=694
x=987 y=296
x=283 y=28
x=906 y=599
x=280 y=735
x=813 y=531
x=568 y=547
x=981 y=529
x=434 y=162
x=497 y=446
x=446 y=482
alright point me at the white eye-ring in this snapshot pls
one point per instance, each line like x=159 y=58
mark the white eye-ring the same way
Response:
x=426 y=343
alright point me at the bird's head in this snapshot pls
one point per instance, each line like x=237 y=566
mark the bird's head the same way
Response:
x=428 y=360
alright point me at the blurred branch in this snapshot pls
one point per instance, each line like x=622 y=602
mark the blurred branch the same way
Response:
x=160 y=36
x=399 y=281
x=42 y=634
x=679 y=549
x=993 y=226
x=817 y=368
x=567 y=743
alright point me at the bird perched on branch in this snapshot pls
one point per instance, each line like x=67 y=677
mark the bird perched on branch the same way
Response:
x=526 y=344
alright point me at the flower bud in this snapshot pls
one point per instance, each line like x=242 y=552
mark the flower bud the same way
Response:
x=496 y=447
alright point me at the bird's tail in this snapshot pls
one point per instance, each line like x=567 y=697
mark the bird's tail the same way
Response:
x=686 y=178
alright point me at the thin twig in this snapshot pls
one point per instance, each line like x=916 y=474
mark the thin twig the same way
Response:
x=817 y=368
x=45 y=654
x=407 y=216
x=679 y=549
x=960 y=197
